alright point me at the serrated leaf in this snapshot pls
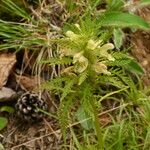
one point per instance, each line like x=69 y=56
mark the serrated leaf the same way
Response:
x=119 y=19
x=57 y=61
x=134 y=67
x=119 y=62
x=82 y=77
x=3 y=122
x=7 y=109
x=82 y=115
x=67 y=89
x=121 y=59
x=118 y=37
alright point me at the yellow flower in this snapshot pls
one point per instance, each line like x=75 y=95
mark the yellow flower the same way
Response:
x=71 y=35
x=78 y=26
x=77 y=56
x=66 y=52
x=99 y=67
x=68 y=71
x=92 y=44
x=103 y=51
x=81 y=62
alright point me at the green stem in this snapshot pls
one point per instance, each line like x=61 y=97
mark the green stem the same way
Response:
x=98 y=128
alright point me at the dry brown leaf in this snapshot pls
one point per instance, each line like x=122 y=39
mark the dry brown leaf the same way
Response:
x=105 y=119
x=7 y=62
x=29 y=83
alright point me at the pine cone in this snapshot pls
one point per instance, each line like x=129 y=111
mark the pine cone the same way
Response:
x=27 y=107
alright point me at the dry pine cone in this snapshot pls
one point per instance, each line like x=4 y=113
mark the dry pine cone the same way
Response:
x=27 y=107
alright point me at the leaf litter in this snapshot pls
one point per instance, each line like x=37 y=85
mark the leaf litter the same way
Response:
x=7 y=62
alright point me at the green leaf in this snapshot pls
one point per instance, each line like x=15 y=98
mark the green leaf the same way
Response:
x=3 y=122
x=121 y=59
x=67 y=89
x=82 y=117
x=118 y=37
x=57 y=61
x=119 y=19
x=82 y=77
x=134 y=67
x=115 y=4
x=145 y=2
x=7 y=109
x=1 y=147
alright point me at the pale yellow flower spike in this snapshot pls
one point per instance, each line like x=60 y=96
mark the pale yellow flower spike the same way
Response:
x=103 y=51
x=99 y=67
x=81 y=65
x=92 y=44
x=108 y=46
x=77 y=56
x=78 y=26
x=81 y=62
x=71 y=35
x=68 y=71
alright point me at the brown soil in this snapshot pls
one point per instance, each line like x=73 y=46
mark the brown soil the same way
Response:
x=42 y=135
x=141 y=46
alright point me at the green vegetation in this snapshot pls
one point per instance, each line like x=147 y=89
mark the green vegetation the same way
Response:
x=93 y=75
x=3 y=120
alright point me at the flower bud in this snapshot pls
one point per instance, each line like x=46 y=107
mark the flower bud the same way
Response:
x=81 y=62
x=71 y=35
x=99 y=67
x=92 y=44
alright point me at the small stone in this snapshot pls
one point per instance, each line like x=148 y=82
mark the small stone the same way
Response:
x=6 y=94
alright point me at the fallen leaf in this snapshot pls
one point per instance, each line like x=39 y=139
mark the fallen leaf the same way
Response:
x=105 y=119
x=29 y=83
x=7 y=62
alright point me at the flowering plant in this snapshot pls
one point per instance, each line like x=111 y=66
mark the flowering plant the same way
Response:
x=87 y=54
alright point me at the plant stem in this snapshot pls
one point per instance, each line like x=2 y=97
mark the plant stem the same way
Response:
x=97 y=128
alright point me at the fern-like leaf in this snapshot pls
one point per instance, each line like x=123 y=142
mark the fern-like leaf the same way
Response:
x=67 y=88
x=64 y=114
x=82 y=77
x=112 y=80
x=58 y=61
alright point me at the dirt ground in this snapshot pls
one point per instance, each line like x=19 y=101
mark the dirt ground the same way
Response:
x=141 y=46
x=45 y=135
